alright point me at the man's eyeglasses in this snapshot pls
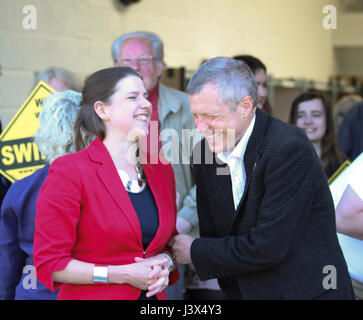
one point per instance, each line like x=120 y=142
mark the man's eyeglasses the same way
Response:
x=142 y=61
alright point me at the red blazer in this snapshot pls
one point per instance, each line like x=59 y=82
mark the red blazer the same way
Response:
x=84 y=213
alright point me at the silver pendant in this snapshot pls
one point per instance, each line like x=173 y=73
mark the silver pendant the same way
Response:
x=130 y=185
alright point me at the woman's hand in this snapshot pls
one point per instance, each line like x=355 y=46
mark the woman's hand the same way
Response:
x=141 y=274
x=160 y=284
x=159 y=274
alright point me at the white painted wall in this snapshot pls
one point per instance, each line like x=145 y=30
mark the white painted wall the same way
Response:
x=76 y=34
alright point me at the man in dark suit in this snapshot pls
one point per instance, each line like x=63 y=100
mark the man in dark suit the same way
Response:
x=350 y=133
x=266 y=215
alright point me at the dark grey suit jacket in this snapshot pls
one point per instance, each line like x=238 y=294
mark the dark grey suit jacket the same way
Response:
x=283 y=234
x=350 y=133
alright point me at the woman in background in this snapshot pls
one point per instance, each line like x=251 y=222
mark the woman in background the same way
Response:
x=311 y=112
x=54 y=139
x=260 y=72
x=104 y=216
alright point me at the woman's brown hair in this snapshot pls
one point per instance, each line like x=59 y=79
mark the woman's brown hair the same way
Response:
x=331 y=157
x=99 y=86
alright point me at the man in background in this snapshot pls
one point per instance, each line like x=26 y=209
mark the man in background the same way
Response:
x=144 y=52
x=350 y=133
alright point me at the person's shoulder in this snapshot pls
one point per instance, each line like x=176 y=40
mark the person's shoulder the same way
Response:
x=22 y=188
x=171 y=90
x=355 y=113
x=276 y=137
x=70 y=162
x=167 y=92
x=358 y=107
x=67 y=158
x=31 y=179
x=284 y=133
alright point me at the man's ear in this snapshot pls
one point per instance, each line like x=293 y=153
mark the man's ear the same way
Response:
x=101 y=110
x=160 y=65
x=245 y=106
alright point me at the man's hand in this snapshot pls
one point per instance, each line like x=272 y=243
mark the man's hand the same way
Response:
x=180 y=245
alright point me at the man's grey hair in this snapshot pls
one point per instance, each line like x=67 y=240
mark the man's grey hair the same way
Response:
x=234 y=80
x=155 y=40
x=55 y=134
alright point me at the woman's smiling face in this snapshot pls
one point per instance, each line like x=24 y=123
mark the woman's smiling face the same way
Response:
x=311 y=118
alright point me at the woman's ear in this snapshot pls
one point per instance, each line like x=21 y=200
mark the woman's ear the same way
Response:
x=101 y=110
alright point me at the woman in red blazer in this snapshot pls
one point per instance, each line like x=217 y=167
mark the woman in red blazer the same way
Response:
x=103 y=219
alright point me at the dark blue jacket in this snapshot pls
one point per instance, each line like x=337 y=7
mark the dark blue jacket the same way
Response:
x=350 y=133
x=17 y=273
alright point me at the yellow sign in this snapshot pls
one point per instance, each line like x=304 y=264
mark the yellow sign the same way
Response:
x=344 y=166
x=19 y=154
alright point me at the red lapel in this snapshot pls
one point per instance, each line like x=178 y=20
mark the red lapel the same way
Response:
x=108 y=174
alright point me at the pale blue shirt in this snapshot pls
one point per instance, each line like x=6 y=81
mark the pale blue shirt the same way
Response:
x=234 y=160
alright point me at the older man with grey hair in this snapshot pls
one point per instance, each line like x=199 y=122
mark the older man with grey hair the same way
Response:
x=266 y=214
x=144 y=52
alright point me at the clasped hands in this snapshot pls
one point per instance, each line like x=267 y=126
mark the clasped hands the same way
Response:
x=151 y=274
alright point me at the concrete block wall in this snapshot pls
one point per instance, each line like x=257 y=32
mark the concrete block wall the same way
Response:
x=348 y=43
x=76 y=34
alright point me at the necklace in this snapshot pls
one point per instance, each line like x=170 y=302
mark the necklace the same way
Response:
x=140 y=174
x=133 y=185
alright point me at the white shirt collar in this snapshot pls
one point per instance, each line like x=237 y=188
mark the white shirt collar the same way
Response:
x=239 y=150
